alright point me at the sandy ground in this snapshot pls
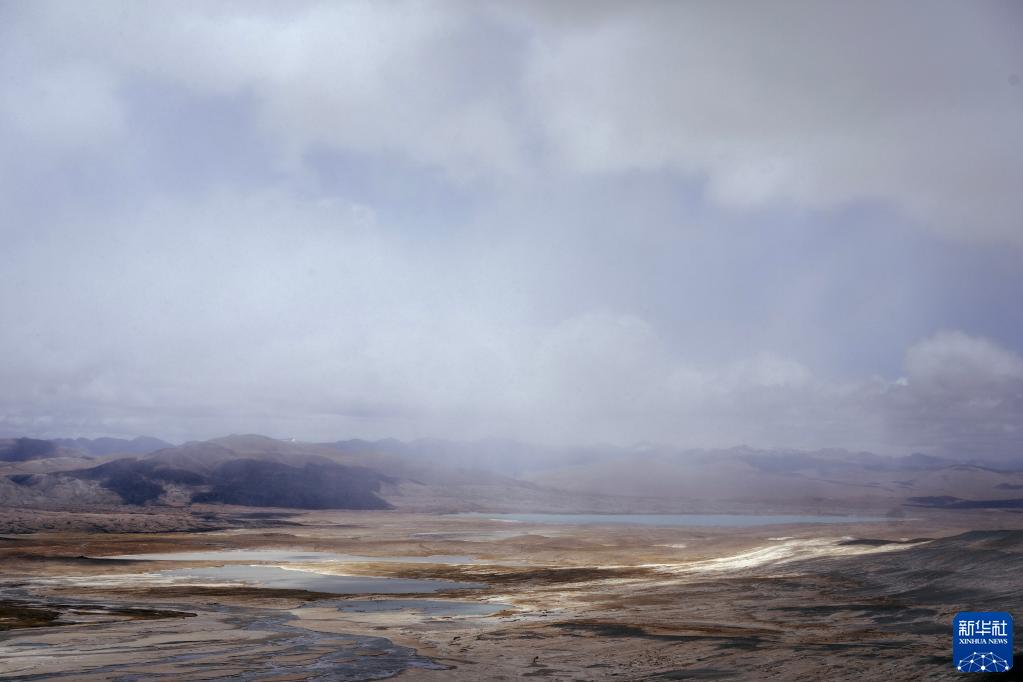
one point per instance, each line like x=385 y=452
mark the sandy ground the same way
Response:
x=572 y=602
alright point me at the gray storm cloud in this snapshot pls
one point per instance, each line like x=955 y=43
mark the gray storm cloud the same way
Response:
x=792 y=225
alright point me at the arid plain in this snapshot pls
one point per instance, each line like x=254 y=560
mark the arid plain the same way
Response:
x=866 y=600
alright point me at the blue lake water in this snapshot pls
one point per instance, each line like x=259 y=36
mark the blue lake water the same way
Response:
x=729 y=520
x=429 y=607
x=285 y=579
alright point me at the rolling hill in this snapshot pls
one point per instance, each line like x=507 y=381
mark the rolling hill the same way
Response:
x=271 y=475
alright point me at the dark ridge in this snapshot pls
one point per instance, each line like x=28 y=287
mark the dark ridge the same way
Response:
x=127 y=478
x=315 y=485
x=138 y=481
x=210 y=473
x=25 y=449
x=133 y=488
x=129 y=466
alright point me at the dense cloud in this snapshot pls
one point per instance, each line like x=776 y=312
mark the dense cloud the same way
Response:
x=705 y=224
x=806 y=103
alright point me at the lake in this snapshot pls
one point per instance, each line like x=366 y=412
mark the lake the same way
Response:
x=729 y=520
x=428 y=607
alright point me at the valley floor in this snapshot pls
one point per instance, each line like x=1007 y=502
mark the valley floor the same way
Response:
x=560 y=602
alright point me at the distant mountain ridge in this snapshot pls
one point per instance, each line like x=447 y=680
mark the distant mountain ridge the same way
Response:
x=26 y=449
x=488 y=475
x=242 y=470
x=100 y=447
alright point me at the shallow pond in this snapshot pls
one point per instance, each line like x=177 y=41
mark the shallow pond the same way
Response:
x=429 y=607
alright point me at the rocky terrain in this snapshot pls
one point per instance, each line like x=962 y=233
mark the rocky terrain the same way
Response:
x=561 y=602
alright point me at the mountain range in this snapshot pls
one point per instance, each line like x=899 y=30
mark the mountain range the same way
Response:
x=494 y=475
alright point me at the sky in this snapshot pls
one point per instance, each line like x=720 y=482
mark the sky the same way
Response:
x=791 y=224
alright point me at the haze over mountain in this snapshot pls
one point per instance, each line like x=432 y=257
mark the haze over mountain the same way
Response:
x=26 y=449
x=257 y=471
x=139 y=445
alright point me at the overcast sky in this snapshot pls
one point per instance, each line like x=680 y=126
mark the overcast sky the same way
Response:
x=694 y=223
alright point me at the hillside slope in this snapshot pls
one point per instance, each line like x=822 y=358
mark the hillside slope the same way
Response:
x=205 y=472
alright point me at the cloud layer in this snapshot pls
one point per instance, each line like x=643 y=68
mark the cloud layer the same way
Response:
x=811 y=104
x=708 y=224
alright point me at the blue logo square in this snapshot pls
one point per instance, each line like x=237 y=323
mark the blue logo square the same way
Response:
x=982 y=641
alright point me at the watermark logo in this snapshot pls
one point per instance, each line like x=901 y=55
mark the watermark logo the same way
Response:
x=982 y=641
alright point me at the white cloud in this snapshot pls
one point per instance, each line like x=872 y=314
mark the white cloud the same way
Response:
x=811 y=104
x=259 y=309
x=303 y=317
x=383 y=78
x=70 y=106
x=956 y=361
x=815 y=104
